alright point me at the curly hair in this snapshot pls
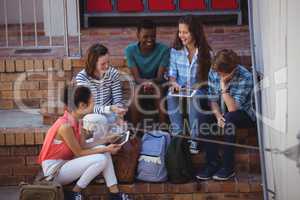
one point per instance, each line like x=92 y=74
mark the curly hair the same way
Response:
x=204 y=58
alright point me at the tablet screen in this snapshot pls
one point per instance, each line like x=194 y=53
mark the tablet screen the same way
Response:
x=184 y=92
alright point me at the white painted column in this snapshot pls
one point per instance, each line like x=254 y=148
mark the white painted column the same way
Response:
x=54 y=17
x=293 y=62
x=277 y=44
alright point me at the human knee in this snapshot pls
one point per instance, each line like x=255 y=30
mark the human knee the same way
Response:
x=232 y=117
x=100 y=159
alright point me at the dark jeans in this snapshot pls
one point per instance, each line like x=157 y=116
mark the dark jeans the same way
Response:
x=210 y=130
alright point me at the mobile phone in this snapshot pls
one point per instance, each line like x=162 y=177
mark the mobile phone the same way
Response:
x=123 y=138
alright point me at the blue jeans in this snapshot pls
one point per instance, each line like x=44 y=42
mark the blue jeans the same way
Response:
x=195 y=106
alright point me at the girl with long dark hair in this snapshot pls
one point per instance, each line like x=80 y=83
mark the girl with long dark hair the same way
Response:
x=190 y=61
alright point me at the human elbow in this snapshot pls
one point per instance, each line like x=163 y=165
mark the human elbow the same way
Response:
x=78 y=152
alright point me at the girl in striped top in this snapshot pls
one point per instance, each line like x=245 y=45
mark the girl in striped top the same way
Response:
x=103 y=81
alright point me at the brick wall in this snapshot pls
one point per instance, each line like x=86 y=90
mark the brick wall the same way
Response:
x=37 y=82
x=19 y=148
x=31 y=82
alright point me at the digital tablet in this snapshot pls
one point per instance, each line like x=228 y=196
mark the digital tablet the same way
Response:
x=124 y=137
x=183 y=92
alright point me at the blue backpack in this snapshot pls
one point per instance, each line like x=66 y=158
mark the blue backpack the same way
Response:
x=151 y=166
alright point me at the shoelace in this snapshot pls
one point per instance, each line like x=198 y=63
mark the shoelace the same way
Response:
x=78 y=197
x=125 y=197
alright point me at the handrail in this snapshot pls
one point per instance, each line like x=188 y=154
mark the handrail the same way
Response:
x=50 y=40
x=258 y=107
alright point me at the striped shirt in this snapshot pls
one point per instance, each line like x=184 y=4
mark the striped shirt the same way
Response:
x=240 y=88
x=106 y=91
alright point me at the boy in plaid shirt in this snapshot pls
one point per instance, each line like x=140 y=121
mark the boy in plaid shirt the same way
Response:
x=230 y=90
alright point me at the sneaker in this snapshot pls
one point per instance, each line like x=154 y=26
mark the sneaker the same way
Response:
x=70 y=195
x=224 y=174
x=119 y=196
x=194 y=147
x=208 y=171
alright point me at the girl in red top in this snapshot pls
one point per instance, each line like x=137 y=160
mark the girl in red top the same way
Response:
x=65 y=145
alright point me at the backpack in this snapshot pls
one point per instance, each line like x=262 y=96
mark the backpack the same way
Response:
x=41 y=191
x=43 y=188
x=151 y=166
x=179 y=161
x=126 y=160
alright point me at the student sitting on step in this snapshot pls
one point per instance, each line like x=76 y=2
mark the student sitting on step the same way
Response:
x=148 y=61
x=230 y=91
x=65 y=149
x=104 y=83
x=189 y=65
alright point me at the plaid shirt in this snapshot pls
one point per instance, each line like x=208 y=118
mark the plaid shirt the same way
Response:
x=240 y=88
x=181 y=68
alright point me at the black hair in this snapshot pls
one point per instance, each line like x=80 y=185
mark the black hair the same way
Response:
x=146 y=24
x=74 y=95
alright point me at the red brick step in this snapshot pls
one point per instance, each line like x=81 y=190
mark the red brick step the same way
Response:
x=243 y=186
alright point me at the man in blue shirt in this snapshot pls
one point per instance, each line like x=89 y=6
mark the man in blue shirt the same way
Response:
x=148 y=61
x=230 y=91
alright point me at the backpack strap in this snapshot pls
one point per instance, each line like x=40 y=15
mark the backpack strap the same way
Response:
x=53 y=175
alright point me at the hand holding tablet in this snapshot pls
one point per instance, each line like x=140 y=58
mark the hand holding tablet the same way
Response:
x=183 y=92
x=123 y=138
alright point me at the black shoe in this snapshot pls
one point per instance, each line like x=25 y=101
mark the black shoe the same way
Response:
x=70 y=195
x=224 y=174
x=208 y=171
x=118 y=196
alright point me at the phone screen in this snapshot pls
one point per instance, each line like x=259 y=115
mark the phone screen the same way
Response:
x=123 y=138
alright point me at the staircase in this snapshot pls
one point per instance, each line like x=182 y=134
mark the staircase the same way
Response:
x=44 y=75
x=246 y=184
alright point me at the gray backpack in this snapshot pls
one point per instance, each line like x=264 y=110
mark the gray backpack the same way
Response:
x=151 y=166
